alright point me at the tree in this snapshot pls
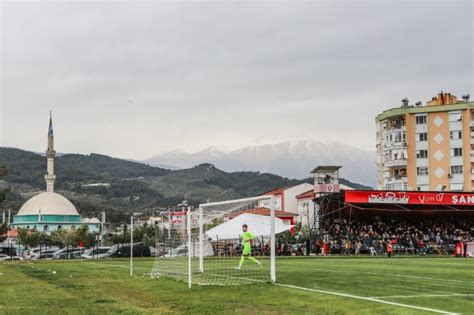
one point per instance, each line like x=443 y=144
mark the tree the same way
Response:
x=60 y=237
x=3 y=232
x=3 y=194
x=29 y=238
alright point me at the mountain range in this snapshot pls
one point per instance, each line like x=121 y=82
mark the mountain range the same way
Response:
x=291 y=159
x=97 y=182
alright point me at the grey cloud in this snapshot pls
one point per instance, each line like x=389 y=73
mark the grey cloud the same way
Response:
x=159 y=75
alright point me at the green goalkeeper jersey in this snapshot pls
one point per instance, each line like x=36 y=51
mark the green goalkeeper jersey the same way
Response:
x=246 y=237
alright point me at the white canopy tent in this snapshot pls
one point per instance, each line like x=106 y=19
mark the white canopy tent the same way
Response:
x=258 y=225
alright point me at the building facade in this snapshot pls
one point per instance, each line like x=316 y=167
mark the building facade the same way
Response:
x=427 y=148
x=285 y=198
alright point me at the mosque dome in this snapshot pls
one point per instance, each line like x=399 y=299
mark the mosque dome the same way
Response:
x=48 y=203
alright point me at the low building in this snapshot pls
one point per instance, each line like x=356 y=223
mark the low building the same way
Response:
x=285 y=198
x=287 y=217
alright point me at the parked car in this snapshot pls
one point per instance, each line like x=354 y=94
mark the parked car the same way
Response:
x=16 y=258
x=179 y=251
x=46 y=254
x=138 y=251
x=94 y=253
x=4 y=257
x=10 y=251
x=72 y=253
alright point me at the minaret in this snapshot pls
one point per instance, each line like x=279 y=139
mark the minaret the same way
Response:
x=50 y=153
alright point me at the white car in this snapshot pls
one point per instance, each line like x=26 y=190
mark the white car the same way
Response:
x=16 y=258
x=4 y=257
x=47 y=254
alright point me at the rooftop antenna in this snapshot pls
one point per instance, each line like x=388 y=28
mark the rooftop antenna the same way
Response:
x=405 y=102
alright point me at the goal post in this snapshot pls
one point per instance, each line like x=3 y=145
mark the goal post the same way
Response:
x=230 y=206
x=209 y=246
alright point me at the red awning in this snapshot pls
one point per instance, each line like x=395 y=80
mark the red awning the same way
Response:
x=409 y=197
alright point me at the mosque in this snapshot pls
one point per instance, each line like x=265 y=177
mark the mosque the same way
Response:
x=49 y=211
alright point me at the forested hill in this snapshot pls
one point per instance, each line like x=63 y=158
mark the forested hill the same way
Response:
x=133 y=186
x=29 y=168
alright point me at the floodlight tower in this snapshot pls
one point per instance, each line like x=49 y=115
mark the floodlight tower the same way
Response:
x=326 y=184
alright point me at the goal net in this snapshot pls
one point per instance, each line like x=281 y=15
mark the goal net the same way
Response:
x=223 y=243
x=172 y=246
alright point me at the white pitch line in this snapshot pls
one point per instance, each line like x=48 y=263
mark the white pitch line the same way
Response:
x=370 y=299
x=422 y=295
x=417 y=277
x=386 y=274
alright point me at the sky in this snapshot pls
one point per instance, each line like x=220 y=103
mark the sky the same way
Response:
x=134 y=79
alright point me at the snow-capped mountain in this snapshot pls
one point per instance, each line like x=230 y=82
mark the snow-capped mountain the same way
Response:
x=292 y=159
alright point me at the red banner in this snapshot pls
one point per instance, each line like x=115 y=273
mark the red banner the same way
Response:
x=178 y=214
x=409 y=197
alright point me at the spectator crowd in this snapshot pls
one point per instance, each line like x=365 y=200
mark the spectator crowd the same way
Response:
x=409 y=235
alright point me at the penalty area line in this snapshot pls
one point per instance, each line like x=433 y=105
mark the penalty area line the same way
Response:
x=370 y=299
x=422 y=295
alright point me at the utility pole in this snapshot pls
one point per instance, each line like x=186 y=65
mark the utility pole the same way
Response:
x=131 y=246
x=102 y=231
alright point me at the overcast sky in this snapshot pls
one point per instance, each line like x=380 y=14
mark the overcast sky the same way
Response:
x=135 y=79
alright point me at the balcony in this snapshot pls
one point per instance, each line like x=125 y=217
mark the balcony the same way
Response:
x=396 y=163
x=395 y=145
x=396 y=183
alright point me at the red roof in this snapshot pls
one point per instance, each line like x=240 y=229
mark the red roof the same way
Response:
x=13 y=233
x=306 y=195
x=263 y=211
x=277 y=191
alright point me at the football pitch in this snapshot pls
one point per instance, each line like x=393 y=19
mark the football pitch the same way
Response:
x=323 y=285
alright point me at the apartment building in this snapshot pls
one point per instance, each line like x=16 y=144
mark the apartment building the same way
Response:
x=427 y=147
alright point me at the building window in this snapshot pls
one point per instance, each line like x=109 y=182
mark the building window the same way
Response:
x=455 y=116
x=421 y=120
x=456 y=169
x=422 y=154
x=423 y=136
x=398 y=137
x=456 y=152
x=59 y=227
x=421 y=171
x=45 y=228
x=455 y=135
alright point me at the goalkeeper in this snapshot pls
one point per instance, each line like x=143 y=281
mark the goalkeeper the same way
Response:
x=247 y=239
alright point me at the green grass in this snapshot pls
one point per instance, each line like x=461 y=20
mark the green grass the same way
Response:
x=105 y=287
